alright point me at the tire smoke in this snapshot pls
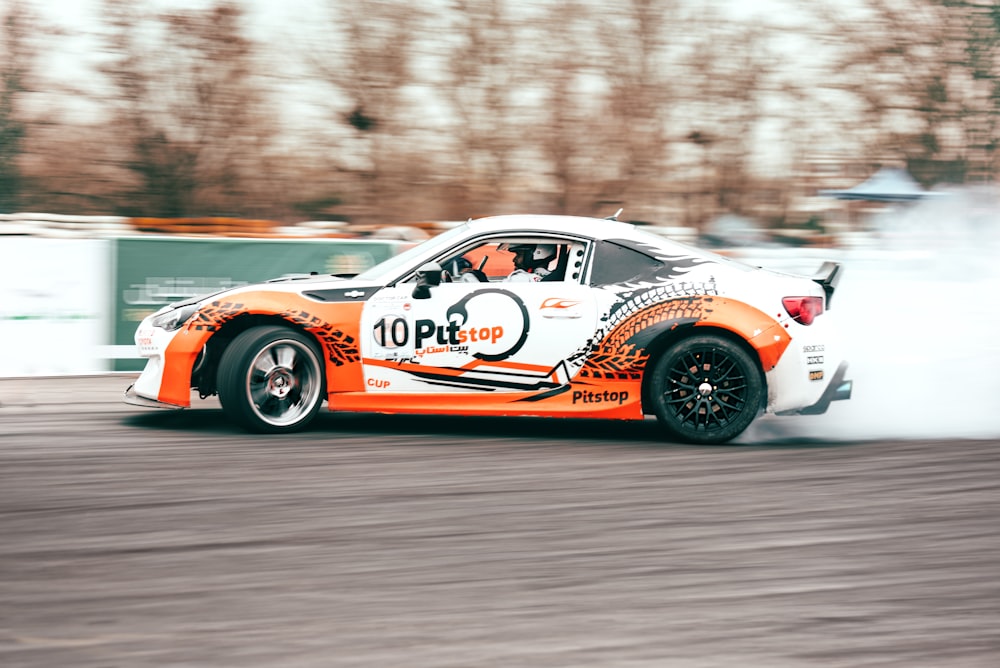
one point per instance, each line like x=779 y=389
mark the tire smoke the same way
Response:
x=919 y=312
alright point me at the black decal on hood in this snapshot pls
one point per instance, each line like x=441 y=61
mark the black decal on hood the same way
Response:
x=342 y=294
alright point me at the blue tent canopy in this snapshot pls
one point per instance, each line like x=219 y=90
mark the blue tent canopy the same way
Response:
x=886 y=185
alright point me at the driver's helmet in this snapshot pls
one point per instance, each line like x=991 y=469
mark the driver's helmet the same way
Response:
x=530 y=256
x=456 y=265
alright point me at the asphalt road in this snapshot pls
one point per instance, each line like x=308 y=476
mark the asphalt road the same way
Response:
x=137 y=537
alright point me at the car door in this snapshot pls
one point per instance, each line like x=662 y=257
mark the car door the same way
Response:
x=477 y=337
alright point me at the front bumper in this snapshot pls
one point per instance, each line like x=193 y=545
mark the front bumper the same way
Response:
x=135 y=400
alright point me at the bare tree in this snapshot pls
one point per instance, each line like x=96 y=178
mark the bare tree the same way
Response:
x=483 y=73
x=369 y=64
x=640 y=95
x=927 y=73
x=17 y=56
x=571 y=132
x=981 y=118
x=576 y=106
x=729 y=75
x=186 y=107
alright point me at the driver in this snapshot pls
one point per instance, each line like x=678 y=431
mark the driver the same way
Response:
x=531 y=261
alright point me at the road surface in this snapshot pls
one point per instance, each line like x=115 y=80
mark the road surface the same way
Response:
x=136 y=537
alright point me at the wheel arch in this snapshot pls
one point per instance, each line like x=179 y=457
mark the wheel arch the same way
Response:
x=662 y=343
x=204 y=374
x=271 y=379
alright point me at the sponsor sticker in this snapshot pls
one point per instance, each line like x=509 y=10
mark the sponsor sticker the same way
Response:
x=589 y=397
x=144 y=340
x=454 y=334
x=559 y=303
x=490 y=324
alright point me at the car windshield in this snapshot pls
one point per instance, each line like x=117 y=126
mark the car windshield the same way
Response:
x=398 y=264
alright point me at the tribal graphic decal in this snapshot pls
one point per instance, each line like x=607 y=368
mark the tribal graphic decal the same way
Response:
x=340 y=348
x=673 y=266
x=622 y=353
x=212 y=316
x=647 y=304
x=618 y=349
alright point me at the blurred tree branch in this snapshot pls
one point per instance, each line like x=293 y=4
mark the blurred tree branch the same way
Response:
x=17 y=56
x=188 y=115
x=469 y=107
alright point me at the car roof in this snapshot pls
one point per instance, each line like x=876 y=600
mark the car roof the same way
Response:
x=597 y=228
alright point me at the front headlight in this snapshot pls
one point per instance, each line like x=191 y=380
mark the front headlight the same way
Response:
x=174 y=318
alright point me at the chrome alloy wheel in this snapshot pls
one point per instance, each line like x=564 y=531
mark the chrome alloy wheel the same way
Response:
x=283 y=382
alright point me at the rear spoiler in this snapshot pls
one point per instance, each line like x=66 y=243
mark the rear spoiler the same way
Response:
x=828 y=276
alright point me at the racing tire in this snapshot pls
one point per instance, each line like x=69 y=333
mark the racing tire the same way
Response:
x=706 y=390
x=271 y=380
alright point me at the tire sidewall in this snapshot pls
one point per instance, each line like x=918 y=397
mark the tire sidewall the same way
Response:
x=234 y=367
x=667 y=417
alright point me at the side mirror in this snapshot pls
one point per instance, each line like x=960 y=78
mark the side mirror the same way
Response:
x=428 y=276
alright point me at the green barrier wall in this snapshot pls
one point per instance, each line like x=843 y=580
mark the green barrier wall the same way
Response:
x=153 y=271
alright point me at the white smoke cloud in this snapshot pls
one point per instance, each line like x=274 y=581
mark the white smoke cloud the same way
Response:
x=920 y=315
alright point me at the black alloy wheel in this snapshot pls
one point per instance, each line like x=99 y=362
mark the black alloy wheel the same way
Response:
x=706 y=390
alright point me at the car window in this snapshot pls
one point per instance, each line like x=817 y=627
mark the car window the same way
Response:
x=614 y=263
x=502 y=259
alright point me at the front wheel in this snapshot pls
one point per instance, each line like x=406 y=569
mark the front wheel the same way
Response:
x=706 y=390
x=271 y=380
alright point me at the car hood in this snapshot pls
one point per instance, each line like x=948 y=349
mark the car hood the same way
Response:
x=303 y=283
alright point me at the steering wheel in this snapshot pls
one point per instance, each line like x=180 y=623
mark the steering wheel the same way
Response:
x=476 y=273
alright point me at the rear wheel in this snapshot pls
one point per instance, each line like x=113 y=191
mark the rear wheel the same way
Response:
x=271 y=380
x=706 y=390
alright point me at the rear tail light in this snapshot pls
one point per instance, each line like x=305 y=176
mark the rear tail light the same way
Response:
x=803 y=309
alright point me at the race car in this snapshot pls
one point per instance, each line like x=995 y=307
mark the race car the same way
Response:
x=520 y=315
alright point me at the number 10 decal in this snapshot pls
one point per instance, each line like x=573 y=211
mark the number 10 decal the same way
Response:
x=392 y=331
x=490 y=324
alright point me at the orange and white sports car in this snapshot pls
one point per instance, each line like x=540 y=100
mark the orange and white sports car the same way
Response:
x=526 y=315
